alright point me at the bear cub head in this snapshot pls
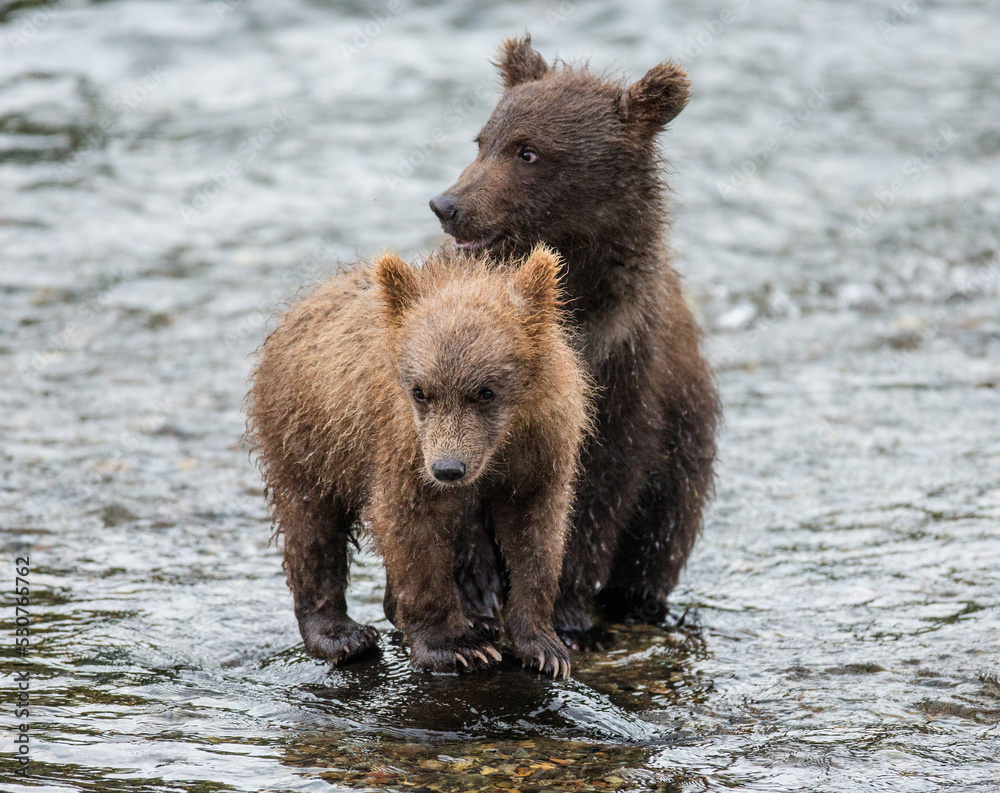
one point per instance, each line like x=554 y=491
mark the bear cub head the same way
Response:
x=470 y=352
x=567 y=157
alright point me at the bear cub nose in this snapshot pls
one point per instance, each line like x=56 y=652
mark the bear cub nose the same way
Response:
x=448 y=470
x=444 y=208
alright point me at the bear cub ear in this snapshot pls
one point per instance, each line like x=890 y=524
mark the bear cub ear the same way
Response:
x=648 y=105
x=537 y=281
x=397 y=284
x=519 y=63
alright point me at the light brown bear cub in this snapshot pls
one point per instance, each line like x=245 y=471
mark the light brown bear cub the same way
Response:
x=401 y=398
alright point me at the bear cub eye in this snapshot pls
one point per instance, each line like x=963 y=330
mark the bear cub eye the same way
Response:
x=485 y=394
x=418 y=394
x=528 y=155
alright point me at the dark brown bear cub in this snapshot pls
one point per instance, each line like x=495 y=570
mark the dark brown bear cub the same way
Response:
x=569 y=158
x=402 y=398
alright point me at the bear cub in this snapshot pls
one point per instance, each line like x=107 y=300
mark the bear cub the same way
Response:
x=569 y=158
x=401 y=399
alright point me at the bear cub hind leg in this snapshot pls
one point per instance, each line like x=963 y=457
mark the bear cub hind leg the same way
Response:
x=422 y=597
x=479 y=571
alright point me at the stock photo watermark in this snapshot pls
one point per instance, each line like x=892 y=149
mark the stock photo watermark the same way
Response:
x=31 y=26
x=562 y=12
x=711 y=30
x=223 y=7
x=123 y=105
x=22 y=675
x=248 y=151
x=319 y=263
x=73 y=331
x=453 y=118
x=787 y=127
x=913 y=171
x=372 y=29
x=899 y=15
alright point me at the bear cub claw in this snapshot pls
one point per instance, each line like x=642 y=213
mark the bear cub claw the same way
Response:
x=544 y=653
x=586 y=641
x=337 y=640
x=486 y=654
x=468 y=652
x=577 y=630
x=490 y=627
x=635 y=607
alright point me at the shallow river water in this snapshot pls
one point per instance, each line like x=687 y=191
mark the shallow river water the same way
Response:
x=170 y=171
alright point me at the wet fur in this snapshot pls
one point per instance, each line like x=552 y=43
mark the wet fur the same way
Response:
x=343 y=443
x=596 y=195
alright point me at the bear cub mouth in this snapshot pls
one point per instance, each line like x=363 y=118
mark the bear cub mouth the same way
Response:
x=475 y=245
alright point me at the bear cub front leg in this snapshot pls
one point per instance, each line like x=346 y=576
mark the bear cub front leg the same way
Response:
x=334 y=636
x=478 y=571
x=533 y=552
x=317 y=561
x=425 y=601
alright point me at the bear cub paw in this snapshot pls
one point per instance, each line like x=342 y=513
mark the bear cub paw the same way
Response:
x=336 y=639
x=586 y=641
x=489 y=627
x=472 y=650
x=577 y=630
x=543 y=652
